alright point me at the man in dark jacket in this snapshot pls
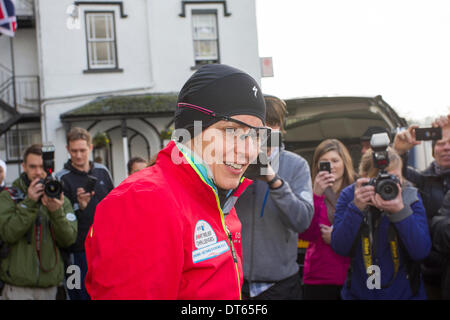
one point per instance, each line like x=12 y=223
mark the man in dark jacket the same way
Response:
x=34 y=227
x=433 y=183
x=75 y=176
x=440 y=229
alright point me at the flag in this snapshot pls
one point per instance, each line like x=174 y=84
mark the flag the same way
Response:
x=8 y=22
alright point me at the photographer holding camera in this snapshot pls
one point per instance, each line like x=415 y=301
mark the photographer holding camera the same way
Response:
x=35 y=222
x=86 y=183
x=381 y=224
x=273 y=210
x=433 y=183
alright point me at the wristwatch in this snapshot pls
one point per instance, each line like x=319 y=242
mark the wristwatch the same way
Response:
x=271 y=182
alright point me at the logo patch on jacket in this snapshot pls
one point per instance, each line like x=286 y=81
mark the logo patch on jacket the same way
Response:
x=205 y=241
x=71 y=217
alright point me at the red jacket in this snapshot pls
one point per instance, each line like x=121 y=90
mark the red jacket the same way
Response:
x=322 y=265
x=162 y=235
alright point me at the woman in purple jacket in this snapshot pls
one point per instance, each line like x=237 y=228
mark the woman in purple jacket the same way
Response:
x=325 y=271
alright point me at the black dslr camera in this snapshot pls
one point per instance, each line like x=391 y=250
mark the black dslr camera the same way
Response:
x=52 y=187
x=385 y=184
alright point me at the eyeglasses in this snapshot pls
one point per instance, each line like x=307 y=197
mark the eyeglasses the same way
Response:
x=258 y=135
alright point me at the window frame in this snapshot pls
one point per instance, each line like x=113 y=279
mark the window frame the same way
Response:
x=87 y=26
x=199 y=63
x=7 y=137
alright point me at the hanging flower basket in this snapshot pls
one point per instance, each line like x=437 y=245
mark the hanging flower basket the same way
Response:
x=166 y=134
x=101 y=140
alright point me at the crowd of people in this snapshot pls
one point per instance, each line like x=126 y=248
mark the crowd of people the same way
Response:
x=218 y=213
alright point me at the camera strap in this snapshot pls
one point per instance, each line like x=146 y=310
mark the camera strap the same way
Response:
x=366 y=241
x=395 y=252
x=38 y=242
x=369 y=241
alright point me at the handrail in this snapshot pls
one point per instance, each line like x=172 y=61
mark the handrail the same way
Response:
x=5 y=69
x=6 y=74
x=27 y=92
x=5 y=84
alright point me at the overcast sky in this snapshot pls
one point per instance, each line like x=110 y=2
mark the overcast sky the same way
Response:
x=399 y=49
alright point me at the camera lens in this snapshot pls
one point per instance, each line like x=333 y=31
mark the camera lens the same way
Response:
x=387 y=189
x=53 y=189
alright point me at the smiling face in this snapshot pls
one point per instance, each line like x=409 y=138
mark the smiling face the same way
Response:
x=227 y=149
x=442 y=149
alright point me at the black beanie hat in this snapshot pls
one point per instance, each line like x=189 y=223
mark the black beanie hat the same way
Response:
x=218 y=89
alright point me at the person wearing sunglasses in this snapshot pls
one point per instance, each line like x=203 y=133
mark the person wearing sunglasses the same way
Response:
x=170 y=231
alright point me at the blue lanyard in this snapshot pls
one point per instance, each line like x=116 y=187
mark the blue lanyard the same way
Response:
x=264 y=202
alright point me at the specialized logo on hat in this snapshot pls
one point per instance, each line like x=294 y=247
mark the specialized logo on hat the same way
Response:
x=205 y=240
x=255 y=91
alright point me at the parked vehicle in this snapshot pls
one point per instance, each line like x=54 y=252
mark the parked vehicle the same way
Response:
x=312 y=120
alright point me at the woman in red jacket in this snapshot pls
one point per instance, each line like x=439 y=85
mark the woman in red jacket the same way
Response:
x=324 y=271
x=170 y=231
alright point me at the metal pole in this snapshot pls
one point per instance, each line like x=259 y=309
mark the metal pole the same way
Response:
x=13 y=72
x=125 y=144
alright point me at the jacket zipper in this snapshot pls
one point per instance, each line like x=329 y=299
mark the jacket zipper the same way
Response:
x=37 y=237
x=228 y=234
x=230 y=240
x=252 y=236
x=233 y=252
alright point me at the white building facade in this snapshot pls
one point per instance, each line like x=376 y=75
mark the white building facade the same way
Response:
x=112 y=67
